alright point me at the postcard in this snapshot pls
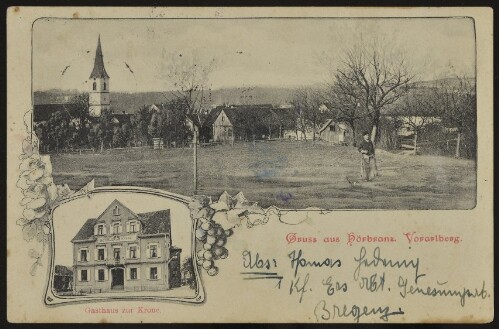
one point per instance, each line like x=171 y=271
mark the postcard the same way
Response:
x=304 y=165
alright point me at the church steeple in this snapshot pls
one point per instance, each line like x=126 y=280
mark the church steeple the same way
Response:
x=99 y=70
x=99 y=84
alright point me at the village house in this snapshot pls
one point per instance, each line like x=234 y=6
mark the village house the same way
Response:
x=124 y=251
x=249 y=122
x=336 y=133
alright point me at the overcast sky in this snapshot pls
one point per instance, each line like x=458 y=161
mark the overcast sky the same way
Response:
x=249 y=52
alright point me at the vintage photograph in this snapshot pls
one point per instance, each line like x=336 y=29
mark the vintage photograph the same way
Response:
x=335 y=113
x=174 y=165
x=123 y=244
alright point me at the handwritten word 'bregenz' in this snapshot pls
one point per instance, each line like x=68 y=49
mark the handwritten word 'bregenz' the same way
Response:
x=251 y=262
x=377 y=260
x=412 y=237
x=295 y=238
x=325 y=312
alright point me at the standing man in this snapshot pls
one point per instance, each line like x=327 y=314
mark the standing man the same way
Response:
x=368 y=162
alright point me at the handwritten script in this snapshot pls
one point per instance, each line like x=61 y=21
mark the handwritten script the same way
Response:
x=354 y=289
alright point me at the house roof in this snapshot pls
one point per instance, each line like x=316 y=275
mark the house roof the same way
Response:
x=343 y=125
x=99 y=70
x=86 y=231
x=154 y=222
x=212 y=116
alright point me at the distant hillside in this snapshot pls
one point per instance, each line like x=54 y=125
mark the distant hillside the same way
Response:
x=132 y=102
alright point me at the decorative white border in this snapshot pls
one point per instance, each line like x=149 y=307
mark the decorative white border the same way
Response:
x=52 y=299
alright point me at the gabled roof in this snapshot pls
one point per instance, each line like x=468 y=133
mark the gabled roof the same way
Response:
x=343 y=125
x=99 y=70
x=114 y=204
x=155 y=222
x=212 y=116
x=86 y=231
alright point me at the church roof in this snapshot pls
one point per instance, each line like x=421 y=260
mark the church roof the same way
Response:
x=99 y=70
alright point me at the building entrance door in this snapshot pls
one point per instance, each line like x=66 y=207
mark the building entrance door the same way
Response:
x=118 y=278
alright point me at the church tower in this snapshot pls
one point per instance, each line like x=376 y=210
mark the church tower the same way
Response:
x=99 y=85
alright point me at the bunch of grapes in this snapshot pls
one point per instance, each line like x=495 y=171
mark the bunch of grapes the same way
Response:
x=213 y=238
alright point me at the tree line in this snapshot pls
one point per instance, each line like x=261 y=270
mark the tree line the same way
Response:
x=73 y=128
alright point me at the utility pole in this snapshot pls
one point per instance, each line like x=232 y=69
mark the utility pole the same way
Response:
x=195 y=141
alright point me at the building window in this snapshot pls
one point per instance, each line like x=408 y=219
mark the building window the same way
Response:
x=101 y=275
x=116 y=228
x=153 y=251
x=133 y=274
x=94 y=86
x=100 y=229
x=116 y=211
x=133 y=227
x=84 y=276
x=133 y=252
x=83 y=255
x=332 y=128
x=104 y=86
x=153 y=273
x=117 y=253
x=100 y=254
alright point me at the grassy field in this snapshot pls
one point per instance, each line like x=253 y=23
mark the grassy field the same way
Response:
x=284 y=174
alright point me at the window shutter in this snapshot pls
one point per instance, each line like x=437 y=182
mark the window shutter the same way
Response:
x=128 y=227
x=105 y=229
x=159 y=272
x=128 y=273
x=96 y=274
x=128 y=252
x=159 y=250
x=138 y=273
x=96 y=253
x=120 y=228
x=148 y=253
x=95 y=229
x=79 y=255
x=105 y=253
x=105 y=274
x=79 y=275
x=138 y=251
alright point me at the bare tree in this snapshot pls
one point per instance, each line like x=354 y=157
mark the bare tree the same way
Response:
x=342 y=98
x=375 y=77
x=456 y=100
x=189 y=77
x=307 y=102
